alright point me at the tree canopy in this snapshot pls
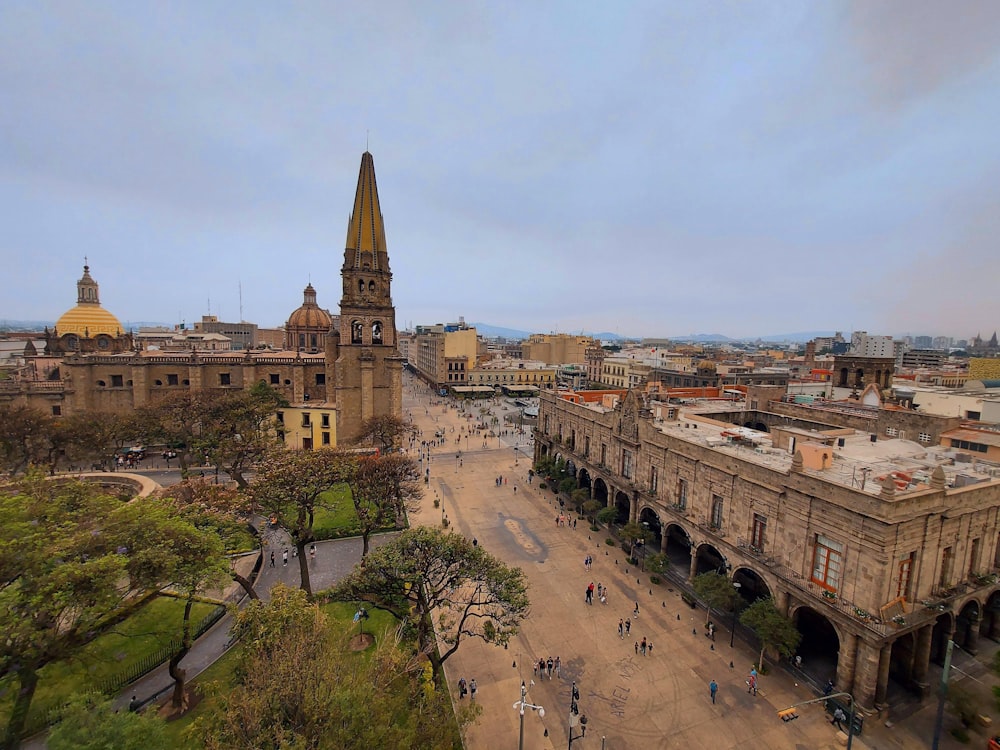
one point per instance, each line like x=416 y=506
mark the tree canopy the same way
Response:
x=427 y=574
x=91 y=723
x=717 y=591
x=383 y=488
x=772 y=628
x=384 y=430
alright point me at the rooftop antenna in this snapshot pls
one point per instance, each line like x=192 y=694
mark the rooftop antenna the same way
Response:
x=209 y=305
x=366 y=139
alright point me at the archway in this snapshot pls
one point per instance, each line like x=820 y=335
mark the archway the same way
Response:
x=624 y=507
x=990 y=627
x=651 y=522
x=583 y=480
x=901 y=663
x=710 y=560
x=859 y=379
x=601 y=491
x=679 y=548
x=760 y=427
x=843 y=378
x=944 y=627
x=967 y=627
x=752 y=586
x=820 y=644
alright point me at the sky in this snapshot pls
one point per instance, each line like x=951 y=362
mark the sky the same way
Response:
x=649 y=169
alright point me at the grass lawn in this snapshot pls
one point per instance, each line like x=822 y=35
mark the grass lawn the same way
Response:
x=144 y=633
x=338 y=518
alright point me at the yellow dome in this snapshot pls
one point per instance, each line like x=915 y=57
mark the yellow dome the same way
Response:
x=88 y=320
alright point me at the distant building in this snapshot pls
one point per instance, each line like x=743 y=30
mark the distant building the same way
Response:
x=443 y=354
x=556 y=348
x=243 y=335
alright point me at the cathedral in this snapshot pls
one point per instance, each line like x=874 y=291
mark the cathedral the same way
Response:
x=347 y=364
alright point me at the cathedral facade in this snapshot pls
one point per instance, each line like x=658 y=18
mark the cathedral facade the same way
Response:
x=348 y=364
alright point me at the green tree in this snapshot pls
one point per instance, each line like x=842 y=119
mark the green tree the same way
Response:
x=91 y=722
x=299 y=685
x=772 y=628
x=590 y=508
x=383 y=489
x=24 y=437
x=716 y=590
x=385 y=431
x=607 y=515
x=290 y=486
x=426 y=573
x=635 y=533
x=73 y=563
x=657 y=563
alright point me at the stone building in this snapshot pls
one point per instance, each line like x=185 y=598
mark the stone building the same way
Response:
x=557 y=348
x=876 y=550
x=352 y=370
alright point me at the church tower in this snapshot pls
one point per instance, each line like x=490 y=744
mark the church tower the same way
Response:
x=369 y=368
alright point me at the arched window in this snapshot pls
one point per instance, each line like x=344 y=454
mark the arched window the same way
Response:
x=377 y=332
x=357 y=331
x=361 y=286
x=371 y=287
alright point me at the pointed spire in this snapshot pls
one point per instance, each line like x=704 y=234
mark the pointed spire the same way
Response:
x=365 y=248
x=87 y=289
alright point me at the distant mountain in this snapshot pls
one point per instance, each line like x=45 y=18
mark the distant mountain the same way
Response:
x=702 y=338
x=485 y=329
x=799 y=338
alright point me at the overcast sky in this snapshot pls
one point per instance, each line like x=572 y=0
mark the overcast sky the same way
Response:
x=745 y=168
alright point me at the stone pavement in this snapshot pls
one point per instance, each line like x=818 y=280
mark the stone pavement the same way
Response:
x=631 y=701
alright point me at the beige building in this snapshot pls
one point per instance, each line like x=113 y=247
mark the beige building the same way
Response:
x=880 y=551
x=984 y=368
x=443 y=355
x=305 y=427
x=513 y=375
x=557 y=348
x=624 y=372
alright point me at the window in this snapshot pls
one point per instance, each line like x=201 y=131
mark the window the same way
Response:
x=225 y=378
x=604 y=454
x=627 y=463
x=924 y=437
x=171 y=380
x=716 y=522
x=974 y=557
x=56 y=411
x=306 y=421
x=281 y=417
x=966 y=445
x=682 y=493
x=653 y=479
x=117 y=381
x=586 y=446
x=903 y=576
x=758 y=532
x=891 y=431
x=325 y=421
x=326 y=438
x=275 y=378
x=947 y=559
x=320 y=378
x=827 y=562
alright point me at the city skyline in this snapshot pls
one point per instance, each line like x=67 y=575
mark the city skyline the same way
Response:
x=745 y=170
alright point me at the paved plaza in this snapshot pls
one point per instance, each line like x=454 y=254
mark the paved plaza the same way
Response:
x=631 y=701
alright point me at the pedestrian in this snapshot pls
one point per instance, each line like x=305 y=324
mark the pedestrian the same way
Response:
x=649 y=648
x=133 y=705
x=574 y=523
x=713 y=688
x=472 y=689
x=752 y=684
x=272 y=558
x=628 y=627
x=642 y=647
x=475 y=542
x=621 y=628
x=829 y=687
x=462 y=688
x=284 y=558
x=637 y=648
x=838 y=716
x=541 y=667
x=711 y=631
x=515 y=489
x=312 y=551
x=534 y=667
x=550 y=665
x=600 y=589
x=635 y=613
x=557 y=668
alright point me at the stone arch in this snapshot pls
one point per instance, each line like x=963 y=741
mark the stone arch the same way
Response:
x=859 y=378
x=650 y=520
x=623 y=504
x=944 y=627
x=583 y=480
x=967 y=626
x=377 y=332
x=760 y=427
x=709 y=559
x=990 y=627
x=901 y=661
x=820 y=644
x=842 y=382
x=752 y=585
x=601 y=491
x=678 y=549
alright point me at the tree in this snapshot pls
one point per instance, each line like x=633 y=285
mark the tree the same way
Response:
x=290 y=486
x=607 y=515
x=635 y=533
x=772 y=628
x=176 y=419
x=717 y=591
x=91 y=723
x=73 y=563
x=24 y=437
x=657 y=563
x=383 y=488
x=384 y=430
x=298 y=685
x=591 y=507
x=425 y=573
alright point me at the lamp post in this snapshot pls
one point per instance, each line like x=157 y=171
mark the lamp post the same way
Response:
x=736 y=606
x=521 y=705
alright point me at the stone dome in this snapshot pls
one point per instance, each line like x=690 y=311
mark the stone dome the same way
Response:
x=88 y=319
x=706 y=365
x=310 y=315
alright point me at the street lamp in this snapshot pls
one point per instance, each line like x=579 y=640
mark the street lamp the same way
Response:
x=521 y=705
x=736 y=607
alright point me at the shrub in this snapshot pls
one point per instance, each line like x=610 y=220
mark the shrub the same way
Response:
x=610 y=542
x=631 y=561
x=595 y=527
x=542 y=486
x=961 y=734
x=654 y=579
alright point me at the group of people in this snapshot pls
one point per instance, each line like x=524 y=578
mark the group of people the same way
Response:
x=546 y=668
x=467 y=687
x=602 y=593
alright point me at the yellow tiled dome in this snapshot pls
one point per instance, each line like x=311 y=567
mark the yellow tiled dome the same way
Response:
x=88 y=320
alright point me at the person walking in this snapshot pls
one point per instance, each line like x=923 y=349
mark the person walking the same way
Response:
x=462 y=688
x=628 y=627
x=312 y=552
x=642 y=647
x=621 y=628
x=637 y=648
x=557 y=668
x=272 y=558
x=635 y=613
x=541 y=667
x=838 y=716
x=713 y=688
x=284 y=558
x=472 y=689
x=550 y=666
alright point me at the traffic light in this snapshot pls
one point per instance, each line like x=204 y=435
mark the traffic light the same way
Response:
x=788 y=714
